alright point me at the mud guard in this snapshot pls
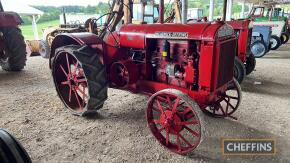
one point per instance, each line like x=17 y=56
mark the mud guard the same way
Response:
x=65 y=39
x=8 y=19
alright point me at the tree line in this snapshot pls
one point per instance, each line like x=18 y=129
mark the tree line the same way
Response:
x=52 y=12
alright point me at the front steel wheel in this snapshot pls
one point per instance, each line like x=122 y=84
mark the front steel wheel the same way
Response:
x=228 y=102
x=175 y=120
x=79 y=78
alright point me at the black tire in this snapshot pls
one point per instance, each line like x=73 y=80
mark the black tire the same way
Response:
x=239 y=70
x=95 y=74
x=275 y=42
x=258 y=49
x=11 y=150
x=44 y=49
x=250 y=64
x=15 y=54
x=284 y=38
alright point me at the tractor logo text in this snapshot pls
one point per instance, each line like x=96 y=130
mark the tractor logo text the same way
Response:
x=176 y=35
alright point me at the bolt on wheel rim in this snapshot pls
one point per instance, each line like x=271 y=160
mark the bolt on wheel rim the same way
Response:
x=174 y=123
x=70 y=82
x=227 y=104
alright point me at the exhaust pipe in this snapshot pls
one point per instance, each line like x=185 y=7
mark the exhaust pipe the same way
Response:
x=184 y=4
x=161 y=11
x=225 y=10
x=64 y=16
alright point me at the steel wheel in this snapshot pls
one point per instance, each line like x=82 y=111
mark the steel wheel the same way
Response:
x=175 y=121
x=71 y=82
x=80 y=79
x=228 y=102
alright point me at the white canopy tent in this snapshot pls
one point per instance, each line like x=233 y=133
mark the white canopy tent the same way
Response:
x=24 y=9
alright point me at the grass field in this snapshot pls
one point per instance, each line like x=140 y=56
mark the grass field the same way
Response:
x=28 y=33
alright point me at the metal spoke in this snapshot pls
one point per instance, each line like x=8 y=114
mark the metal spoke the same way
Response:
x=78 y=100
x=76 y=67
x=81 y=80
x=161 y=129
x=167 y=136
x=179 y=135
x=63 y=70
x=174 y=109
x=68 y=65
x=84 y=96
x=69 y=94
x=221 y=108
x=65 y=83
x=232 y=97
x=156 y=121
x=169 y=101
x=192 y=132
x=187 y=123
x=230 y=104
x=178 y=142
x=160 y=107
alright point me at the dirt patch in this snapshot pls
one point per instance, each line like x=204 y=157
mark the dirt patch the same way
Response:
x=31 y=110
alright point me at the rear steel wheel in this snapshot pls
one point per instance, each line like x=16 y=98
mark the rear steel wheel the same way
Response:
x=79 y=78
x=175 y=120
x=228 y=102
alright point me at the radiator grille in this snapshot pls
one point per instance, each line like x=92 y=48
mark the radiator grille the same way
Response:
x=227 y=52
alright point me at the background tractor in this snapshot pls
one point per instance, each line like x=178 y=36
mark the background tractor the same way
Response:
x=12 y=44
x=245 y=61
x=261 y=44
x=184 y=68
x=269 y=16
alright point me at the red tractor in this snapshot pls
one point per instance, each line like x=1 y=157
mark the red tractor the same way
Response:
x=245 y=61
x=12 y=44
x=186 y=69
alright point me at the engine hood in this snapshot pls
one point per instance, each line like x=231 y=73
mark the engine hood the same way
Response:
x=135 y=35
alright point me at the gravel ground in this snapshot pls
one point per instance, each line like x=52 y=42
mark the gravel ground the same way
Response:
x=31 y=110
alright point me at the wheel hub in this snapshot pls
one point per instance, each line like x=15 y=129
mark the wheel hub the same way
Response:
x=169 y=121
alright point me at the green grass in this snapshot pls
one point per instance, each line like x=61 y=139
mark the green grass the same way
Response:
x=28 y=33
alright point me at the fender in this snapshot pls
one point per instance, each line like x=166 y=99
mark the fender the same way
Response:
x=8 y=19
x=65 y=39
